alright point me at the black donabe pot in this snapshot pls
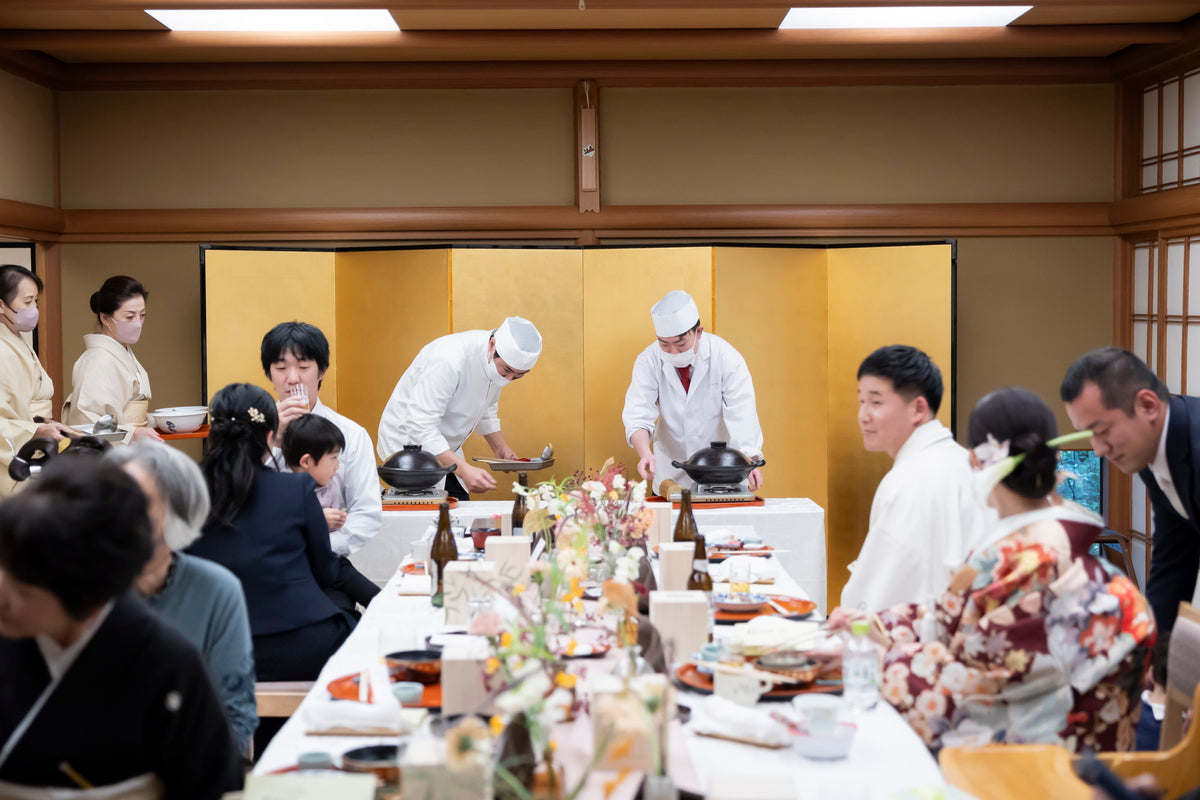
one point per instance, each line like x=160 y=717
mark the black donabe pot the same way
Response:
x=413 y=468
x=718 y=463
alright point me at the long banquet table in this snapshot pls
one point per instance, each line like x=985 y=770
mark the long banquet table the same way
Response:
x=794 y=525
x=886 y=756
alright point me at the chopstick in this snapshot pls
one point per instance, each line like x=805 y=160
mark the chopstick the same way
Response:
x=751 y=671
x=740 y=740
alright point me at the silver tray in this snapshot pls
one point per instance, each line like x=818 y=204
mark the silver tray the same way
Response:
x=504 y=465
x=110 y=436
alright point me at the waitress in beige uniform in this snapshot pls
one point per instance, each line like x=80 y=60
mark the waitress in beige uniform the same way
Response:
x=25 y=388
x=108 y=378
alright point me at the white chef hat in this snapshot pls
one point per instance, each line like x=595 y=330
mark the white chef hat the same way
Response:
x=675 y=314
x=518 y=343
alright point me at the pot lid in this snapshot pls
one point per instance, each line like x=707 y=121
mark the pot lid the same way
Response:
x=718 y=454
x=413 y=459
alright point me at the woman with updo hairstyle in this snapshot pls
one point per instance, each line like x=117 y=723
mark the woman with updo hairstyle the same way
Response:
x=107 y=378
x=268 y=529
x=96 y=690
x=1035 y=640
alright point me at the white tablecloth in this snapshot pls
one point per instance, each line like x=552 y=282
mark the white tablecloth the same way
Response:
x=796 y=525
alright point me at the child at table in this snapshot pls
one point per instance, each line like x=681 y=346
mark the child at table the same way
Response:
x=313 y=445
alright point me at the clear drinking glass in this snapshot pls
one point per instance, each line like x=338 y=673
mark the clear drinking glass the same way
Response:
x=741 y=575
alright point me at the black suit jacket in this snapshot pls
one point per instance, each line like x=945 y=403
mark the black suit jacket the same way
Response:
x=1175 y=557
x=278 y=547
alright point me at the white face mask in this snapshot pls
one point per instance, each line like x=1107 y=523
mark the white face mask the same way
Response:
x=494 y=375
x=680 y=360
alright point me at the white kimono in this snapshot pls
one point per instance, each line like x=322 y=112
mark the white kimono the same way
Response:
x=718 y=406
x=26 y=392
x=924 y=522
x=106 y=377
x=442 y=397
x=355 y=486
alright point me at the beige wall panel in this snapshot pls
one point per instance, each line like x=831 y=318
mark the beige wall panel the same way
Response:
x=1027 y=308
x=771 y=305
x=251 y=291
x=619 y=286
x=27 y=141
x=877 y=296
x=170 y=344
x=390 y=304
x=234 y=149
x=858 y=144
x=547 y=405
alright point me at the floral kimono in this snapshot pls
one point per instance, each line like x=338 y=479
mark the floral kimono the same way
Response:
x=1034 y=640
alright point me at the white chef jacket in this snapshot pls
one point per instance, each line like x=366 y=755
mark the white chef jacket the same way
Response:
x=718 y=406
x=924 y=522
x=105 y=378
x=26 y=392
x=354 y=487
x=442 y=397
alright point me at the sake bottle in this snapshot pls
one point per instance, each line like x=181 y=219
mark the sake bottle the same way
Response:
x=700 y=580
x=443 y=551
x=520 y=507
x=685 y=526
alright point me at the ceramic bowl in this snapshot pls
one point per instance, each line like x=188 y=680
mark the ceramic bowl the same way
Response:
x=382 y=760
x=826 y=747
x=178 y=419
x=739 y=603
x=408 y=692
x=422 y=666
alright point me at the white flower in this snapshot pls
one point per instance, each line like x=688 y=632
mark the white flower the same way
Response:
x=524 y=695
x=619 y=482
x=614 y=547
x=636 y=553
x=594 y=488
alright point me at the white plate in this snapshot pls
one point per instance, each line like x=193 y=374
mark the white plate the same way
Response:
x=737 y=604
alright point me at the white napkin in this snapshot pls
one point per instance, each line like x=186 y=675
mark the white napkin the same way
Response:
x=774 y=633
x=415 y=585
x=327 y=715
x=716 y=715
x=760 y=568
x=717 y=536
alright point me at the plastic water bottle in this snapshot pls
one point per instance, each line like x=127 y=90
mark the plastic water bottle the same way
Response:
x=860 y=668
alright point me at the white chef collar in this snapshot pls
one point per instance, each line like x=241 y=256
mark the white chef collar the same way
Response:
x=676 y=313
x=518 y=343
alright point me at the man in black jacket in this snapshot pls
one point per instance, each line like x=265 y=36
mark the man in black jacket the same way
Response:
x=1140 y=428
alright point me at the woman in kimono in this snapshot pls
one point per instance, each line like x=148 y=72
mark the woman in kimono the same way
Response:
x=107 y=377
x=1034 y=640
x=25 y=388
x=96 y=690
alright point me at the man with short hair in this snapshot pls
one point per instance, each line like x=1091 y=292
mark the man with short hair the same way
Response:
x=1140 y=428
x=295 y=357
x=698 y=388
x=924 y=517
x=452 y=389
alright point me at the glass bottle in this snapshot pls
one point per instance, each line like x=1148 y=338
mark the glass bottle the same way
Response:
x=860 y=668
x=685 y=526
x=520 y=507
x=444 y=550
x=700 y=580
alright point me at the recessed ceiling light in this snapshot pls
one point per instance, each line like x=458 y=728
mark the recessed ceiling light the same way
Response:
x=282 y=19
x=904 y=17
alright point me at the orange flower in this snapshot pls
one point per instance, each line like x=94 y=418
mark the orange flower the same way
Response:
x=565 y=679
x=621 y=596
x=611 y=786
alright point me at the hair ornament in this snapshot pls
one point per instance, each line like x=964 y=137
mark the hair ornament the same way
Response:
x=256 y=415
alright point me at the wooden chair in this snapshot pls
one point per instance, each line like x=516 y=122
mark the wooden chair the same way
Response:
x=1013 y=772
x=1176 y=764
x=1115 y=548
x=279 y=698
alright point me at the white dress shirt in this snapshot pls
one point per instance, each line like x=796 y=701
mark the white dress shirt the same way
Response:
x=1162 y=471
x=924 y=522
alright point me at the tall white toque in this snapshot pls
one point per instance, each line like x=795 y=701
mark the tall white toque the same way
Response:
x=675 y=314
x=518 y=343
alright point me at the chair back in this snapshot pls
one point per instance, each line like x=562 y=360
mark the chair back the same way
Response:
x=1183 y=673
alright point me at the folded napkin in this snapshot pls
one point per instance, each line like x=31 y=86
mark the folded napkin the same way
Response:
x=716 y=716
x=364 y=719
x=760 y=568
x=774 y=633
x=415 y=585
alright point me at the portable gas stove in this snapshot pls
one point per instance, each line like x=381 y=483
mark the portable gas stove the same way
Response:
x=414 y=497
x=719 y=493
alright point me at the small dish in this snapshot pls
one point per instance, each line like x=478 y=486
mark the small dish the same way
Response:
x=408 y=692
x=381 y=760
x=828 y=747
x=422 y=666
x=792 y=664
x=738 y=603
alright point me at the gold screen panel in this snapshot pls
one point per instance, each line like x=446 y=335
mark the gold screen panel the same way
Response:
x=877 y=296
x=619 y=286
x=390 y=304
x=770 y=304
x=248 y=292
x=545 y=287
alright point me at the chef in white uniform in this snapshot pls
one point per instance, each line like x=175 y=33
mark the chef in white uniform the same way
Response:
x=26 y=391
x=451 y=389
x=924 y=518
x=107 y=377
x=698 y=387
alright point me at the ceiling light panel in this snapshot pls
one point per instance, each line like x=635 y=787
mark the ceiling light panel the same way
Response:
x=276 y=20
x=904 y=17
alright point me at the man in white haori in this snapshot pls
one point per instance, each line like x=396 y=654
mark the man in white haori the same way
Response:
x=452 y=389
x=698 y=388
x=924 y=518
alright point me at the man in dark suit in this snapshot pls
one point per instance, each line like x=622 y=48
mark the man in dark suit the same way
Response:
x=1139 y=427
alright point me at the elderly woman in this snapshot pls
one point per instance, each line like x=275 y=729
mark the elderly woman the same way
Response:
x=200 y=599
x=1034 y=640
x=97 y=690
x=25 y=388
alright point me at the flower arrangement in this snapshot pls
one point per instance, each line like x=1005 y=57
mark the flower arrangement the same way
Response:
x=603 y=504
